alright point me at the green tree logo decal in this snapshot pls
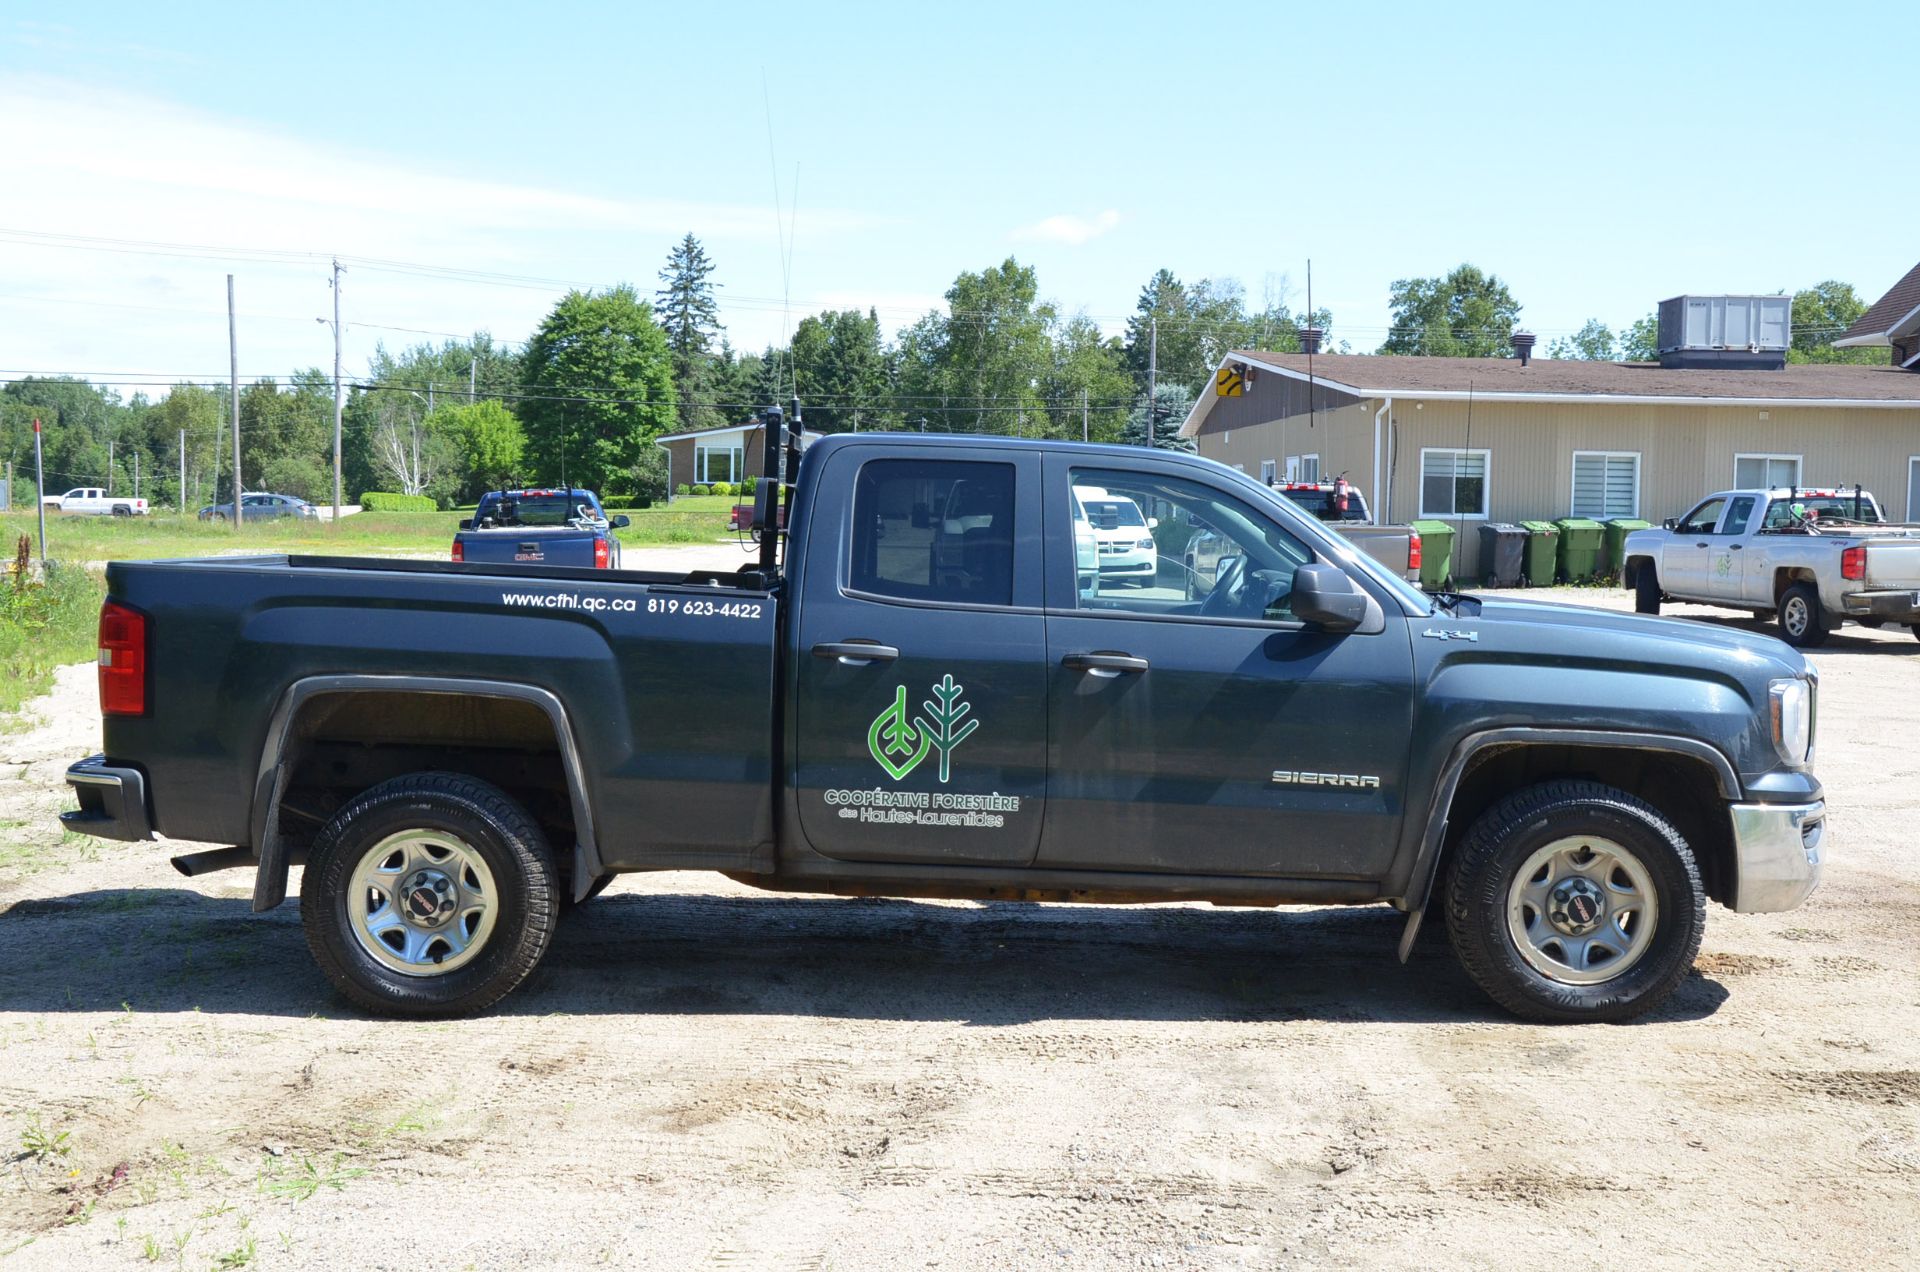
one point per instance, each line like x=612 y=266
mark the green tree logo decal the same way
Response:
x=899 y=744
x=892 y=735
x=946 y=731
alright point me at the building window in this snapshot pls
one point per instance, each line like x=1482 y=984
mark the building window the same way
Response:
x=1606 y=484
x=1266 y=471
x=718 y=463
x=934 y=531
x=1309 y=468
x=1453 y=483
x=1758 y=472
x=1913 y=488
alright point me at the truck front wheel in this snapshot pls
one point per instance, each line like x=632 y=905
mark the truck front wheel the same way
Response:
x=1646 y=590
x=429 y=895
x=1572 y=901
x=1803 y=624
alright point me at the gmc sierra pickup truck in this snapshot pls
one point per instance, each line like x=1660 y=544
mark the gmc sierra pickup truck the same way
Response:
x=916 y=691
x=540 y=527
x=1814 y=559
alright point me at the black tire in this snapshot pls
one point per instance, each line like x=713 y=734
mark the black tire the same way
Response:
x=121 y=510
x=1915 y=629
x=1803 y=624
x=1646 y=589
x=488 y=823
x=1481 y=882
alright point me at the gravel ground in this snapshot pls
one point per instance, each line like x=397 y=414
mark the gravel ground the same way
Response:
x=704 y=1075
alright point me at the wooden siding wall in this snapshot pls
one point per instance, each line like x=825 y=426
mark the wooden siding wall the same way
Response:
x=1271 y=396
x=1685 y=452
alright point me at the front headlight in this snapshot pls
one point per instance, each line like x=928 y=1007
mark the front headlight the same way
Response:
x=1791 y=705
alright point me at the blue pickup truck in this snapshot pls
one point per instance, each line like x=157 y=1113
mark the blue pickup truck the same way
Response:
x=915 y=691
x=540 y=527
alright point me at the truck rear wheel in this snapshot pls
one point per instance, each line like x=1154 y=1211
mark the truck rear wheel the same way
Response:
x=1646 y=590
x=429 y=895
x=1572 y=901
x=1803 y=624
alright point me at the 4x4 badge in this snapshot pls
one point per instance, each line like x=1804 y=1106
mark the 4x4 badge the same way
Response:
x=898 y=744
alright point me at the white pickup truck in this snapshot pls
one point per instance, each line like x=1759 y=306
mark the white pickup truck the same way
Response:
x=1813 y=558
x=94 y=501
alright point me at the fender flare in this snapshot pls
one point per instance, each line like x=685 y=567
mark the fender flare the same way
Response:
x=270 y=879
x=1426 y=862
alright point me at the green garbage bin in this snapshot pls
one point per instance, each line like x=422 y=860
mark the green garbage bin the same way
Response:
x=1581 y=542
x=1543 y=542
x=1436 y=553
x=1617 y=531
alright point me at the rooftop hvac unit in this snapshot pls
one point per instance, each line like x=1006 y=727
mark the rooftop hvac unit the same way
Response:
x=1725 y=331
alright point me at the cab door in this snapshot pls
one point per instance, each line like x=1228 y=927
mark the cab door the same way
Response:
x=1683 y=561
x=920 y=674
x=1197 y=727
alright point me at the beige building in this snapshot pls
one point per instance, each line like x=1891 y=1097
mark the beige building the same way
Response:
x=1472 y=440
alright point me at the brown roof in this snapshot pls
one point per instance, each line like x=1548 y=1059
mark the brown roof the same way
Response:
x=1884 y=313
x=1371 y=375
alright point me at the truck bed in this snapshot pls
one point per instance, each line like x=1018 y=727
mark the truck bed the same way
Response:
x=666 y=681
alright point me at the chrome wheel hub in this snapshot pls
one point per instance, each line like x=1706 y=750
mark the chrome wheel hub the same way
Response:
x=422 y=902
x=1582 y=910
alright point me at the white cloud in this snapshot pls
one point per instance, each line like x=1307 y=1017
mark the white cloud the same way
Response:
x=1069 y=229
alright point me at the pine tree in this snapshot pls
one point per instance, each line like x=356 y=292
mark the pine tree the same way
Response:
x=691 y=318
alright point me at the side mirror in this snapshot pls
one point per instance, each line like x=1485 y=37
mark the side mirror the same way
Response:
x=1153 y=523
x=1327 y=598
x=1671 y=523
x=621 y=522
x=466 y=523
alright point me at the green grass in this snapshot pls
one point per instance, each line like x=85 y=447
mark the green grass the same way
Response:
x=43 y=625
x=78 y=539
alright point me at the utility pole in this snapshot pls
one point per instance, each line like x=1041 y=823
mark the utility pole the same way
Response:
x=473 y=364
x=1153 y=374
x=109 y=465
x=183 y=472
x=336 y=397
x=1083 y=416
x=136 y=474
x=40 y=493
x=233 y=391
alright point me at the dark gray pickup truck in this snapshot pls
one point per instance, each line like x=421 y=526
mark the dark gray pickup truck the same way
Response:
x=916 y=693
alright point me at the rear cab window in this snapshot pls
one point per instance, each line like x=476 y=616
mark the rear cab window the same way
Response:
x=934 y=530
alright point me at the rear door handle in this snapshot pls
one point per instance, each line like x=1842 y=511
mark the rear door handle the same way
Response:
x=1735 y=547
x=856 y=653
x=1104 y=665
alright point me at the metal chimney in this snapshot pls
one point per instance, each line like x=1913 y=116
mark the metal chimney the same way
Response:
x=1522 y=342
x=1310 y=338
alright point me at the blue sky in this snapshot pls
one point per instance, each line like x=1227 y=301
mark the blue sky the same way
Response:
x=1598 y=158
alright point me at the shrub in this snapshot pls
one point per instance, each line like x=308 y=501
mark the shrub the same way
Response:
x=723 y=488
x=701 y=490
x=750 y=487
x=387 y=501
x=683 y=489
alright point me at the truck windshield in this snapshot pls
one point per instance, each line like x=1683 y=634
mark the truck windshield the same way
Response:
x=539 y=510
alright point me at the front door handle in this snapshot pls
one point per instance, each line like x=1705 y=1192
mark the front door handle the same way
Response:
x=1703 y=544
x=1735 y=547
x=1104 y=665
x=856 y=653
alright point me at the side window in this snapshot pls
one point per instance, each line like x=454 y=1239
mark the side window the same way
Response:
x=1702 y=519
x=1150 y=544
x=934 y=530
x=1738 y=514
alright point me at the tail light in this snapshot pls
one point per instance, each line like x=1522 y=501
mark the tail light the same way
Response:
x=1853 y=563
x=123 y=660
x=459 y=551
x=1413 y=550
x=599 y=554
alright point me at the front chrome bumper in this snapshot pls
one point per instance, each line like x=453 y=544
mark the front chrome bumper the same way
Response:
x=1778 y=850
x=113 y=801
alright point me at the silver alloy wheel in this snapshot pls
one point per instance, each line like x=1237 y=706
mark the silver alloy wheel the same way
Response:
x=422 y=902
x=1582 y=910
x=1794 y=616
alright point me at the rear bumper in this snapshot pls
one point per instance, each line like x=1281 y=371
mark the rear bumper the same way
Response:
x=113 y=801
x=1896 y=607
x=1778 y=851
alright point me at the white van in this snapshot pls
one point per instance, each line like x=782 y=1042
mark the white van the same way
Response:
x=1120 y=535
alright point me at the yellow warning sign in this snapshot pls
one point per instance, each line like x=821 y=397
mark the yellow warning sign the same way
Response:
x=1227 y=382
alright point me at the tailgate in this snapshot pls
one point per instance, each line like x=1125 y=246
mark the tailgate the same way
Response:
x=528 y=547
x=1389 y=545
x=1893 y=565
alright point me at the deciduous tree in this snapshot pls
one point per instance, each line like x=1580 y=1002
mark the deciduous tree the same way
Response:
x=599 y=376
x=1466 y=313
